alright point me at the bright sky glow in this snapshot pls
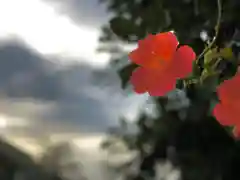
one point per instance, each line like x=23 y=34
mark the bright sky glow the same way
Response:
x=92 y=142
x=7 y=121
x=3 y=122
x=49 y=33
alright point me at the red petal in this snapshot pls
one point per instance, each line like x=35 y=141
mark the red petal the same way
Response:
x=143 y=58
x=147 y=43
x=156 y=83
x=182 y=63
x=162 y=87
x=165 y=45
x=139 y=80
x=143 y=53
x=155 y=49
x=160 y=83
x=226 y=115
x=228 y=91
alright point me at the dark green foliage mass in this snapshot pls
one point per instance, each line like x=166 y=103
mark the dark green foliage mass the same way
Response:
x=203 y=149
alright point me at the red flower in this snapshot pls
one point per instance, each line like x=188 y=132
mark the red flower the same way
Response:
x=227 y=111
x=161 y=64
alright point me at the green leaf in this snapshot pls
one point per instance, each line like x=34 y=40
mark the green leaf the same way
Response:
x=125 y=73
x=209 y=55
x=225 y=53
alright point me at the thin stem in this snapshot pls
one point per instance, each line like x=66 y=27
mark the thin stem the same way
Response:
x=217 y=31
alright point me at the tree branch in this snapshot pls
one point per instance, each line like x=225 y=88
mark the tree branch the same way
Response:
x=217 y=31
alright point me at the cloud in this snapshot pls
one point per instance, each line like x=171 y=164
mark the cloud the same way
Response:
x=70 y=98
x=50 y=33
x=91 y=13
x=41 y=94
x=26 y=74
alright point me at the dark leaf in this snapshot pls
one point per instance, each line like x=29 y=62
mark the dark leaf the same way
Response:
x=118 y=26
x=125 y=74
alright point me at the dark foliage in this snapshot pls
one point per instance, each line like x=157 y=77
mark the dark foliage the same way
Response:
x=203 y=149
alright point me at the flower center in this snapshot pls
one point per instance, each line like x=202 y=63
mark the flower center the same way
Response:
x=156 y=62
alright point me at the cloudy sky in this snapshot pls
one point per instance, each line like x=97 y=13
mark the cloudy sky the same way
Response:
x=52 y=81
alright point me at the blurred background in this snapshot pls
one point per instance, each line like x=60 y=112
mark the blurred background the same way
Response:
x=62 y=103
x=58 y=94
